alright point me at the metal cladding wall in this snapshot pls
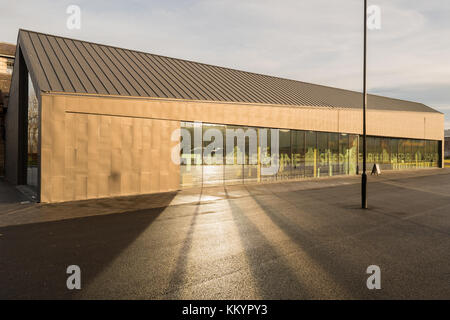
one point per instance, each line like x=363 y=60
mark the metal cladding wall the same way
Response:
x=101 y=146
x=86 y=155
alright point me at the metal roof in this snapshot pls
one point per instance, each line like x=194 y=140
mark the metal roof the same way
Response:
x=61 y=64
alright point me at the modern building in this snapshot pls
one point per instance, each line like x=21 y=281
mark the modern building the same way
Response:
x=7 y=53
x=87 y=120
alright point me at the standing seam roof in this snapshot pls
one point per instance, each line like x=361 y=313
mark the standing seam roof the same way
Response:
x=66 y=65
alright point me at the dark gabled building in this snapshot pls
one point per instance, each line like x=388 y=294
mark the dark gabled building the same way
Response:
x=7 y=53
x=447 y=144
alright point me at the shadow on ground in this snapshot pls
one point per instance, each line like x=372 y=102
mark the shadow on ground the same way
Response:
x=34 y=257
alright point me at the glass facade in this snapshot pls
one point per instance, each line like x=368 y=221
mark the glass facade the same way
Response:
x=33 y=136
x=397 y=154
x=221 y=154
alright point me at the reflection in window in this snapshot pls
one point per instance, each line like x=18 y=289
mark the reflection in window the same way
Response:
x=311 y=154
x=323 y=154
x=191 y=157
x=284 y=170
x=301 y=154
x=33 y=136
x=343 y=153
x=393 y=156
x=298 y=153
x=352 y=153
x=385 y=151
x=213 y=153
x=333 y=145
x=235 y=154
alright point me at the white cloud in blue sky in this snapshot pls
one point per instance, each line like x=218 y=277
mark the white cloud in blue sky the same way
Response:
x=314 y=41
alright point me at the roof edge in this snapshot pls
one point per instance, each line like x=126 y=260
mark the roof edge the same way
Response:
x=111 y=96
x=232 y=69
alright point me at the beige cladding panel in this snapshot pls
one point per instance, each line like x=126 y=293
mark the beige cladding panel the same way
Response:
x=95 y=146
x=87 y=156
x=418 y=125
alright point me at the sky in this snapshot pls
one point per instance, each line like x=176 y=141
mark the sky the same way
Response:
x=317 y=41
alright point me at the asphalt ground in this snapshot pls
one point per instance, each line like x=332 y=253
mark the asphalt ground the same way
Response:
x=290 y=240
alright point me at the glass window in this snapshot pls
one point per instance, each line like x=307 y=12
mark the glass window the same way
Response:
x=414 y=153
x=191 y=169
x=235 y=154
x=420 y=153
x=377 y=150
x=284 y=170
x=371 y=151
x=267 y=157
x=407 y=152
x=360 y=152
x=213 y=153
x=435 y=153
x=33 y=136
x=343 y=153
x=333 y=146
x=298 y=153
x=401 y=153
x=385 y=152
x=352 y=153
x=251 y=167
x=310 y=154
x=322 y=154
x=428 y=156
x=393 y=147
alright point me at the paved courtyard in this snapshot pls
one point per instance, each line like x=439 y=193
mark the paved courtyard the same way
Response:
x=290 y=240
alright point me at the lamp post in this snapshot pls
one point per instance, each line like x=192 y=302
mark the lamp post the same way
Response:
x=364 y=175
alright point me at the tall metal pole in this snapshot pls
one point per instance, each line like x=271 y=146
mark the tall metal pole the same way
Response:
x=364 y=175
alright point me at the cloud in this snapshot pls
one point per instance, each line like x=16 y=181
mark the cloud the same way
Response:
x=314 y=41
x=425 y=92
x=447 y=124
